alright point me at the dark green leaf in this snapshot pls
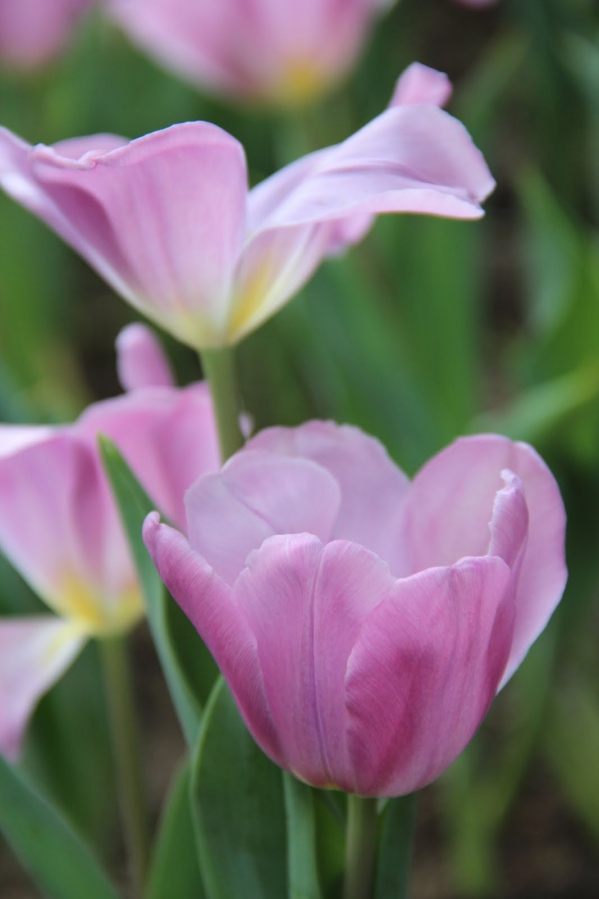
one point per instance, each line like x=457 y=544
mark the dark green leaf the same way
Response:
x=174 y=872
x=239 y=808
x=48 y=848
x=395 y=848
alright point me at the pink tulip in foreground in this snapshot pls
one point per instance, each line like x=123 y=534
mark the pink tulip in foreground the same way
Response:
x=365 y=623
x=32 y=32
x=61 y=530
x=281 y=52
x=168 y=221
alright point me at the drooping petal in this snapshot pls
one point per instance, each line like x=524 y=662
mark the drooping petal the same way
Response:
x=424 y=670
x=218 y=617
x=167 y=436
x=140 y=359
x=449 y=511
x=373 y=488
x=162 y=218
x=34 y=652
x=421 y=84
x=306 y=602
x=59 y=527
x=256 y=496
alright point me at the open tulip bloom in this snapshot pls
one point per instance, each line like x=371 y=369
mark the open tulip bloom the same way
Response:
x=60 y=528
x=280 y=52
x=168 y=221
x=365 y=623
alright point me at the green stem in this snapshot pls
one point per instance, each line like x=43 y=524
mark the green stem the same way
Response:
x=360 y=847
x=395 y=847
x=219 y=369
x=121 y=709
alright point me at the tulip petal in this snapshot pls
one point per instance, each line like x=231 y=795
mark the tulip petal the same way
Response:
x=216 y=614
x=140 y=359
x=162 y=218
x=60 y=529
x=424 y=671
x=450 y=507
x=373 y=488
x=167 y=436
x=306 y=603
x=256 y=496
x=34 y=653
x=421 y=84
x=16 y=437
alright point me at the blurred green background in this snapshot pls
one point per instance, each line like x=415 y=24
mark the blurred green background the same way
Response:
x=427 y=330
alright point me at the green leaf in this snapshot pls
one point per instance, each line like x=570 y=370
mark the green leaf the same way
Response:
x=239 y=809
x=301 y=840
x=395 y=848
x=134 y=504
x=175 y=872
x=52 y=853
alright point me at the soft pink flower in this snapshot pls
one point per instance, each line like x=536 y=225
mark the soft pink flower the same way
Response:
x=168 y=221
x=365 y=623
x=60 y=528
x=274 y=51
x=32 y=32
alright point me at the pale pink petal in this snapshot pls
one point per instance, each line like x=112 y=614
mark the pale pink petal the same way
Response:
x=256 y=496
x=423 y=673
x=16 y=437
x=306 y=604
x=34 y=653
x=373 y=488
x=59 y=528
x=167 y=436
x=216 y=614
x=140 y=359
x=450 y=508
x=162 y=218
x=421 y=84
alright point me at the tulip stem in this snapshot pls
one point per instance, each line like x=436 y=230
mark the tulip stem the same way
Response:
x=360 y=847
x=219 y=369
x=121 y=709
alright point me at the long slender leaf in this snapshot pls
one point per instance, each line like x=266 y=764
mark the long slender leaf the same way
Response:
x=395 y=849
x=134 y=505
x=48 y=848
x=175 y=872
x=239 y=809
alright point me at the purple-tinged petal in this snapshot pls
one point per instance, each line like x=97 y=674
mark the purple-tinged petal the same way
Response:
x=140 y=359
x=167 y=436
x=306 y=603
x=34 y=653
x=216 y=614
x=32 y=32
x=424 y=671
x=16 y=437
x=450 y=508
x=421 y=84
x=257 y=495
x=373 y=488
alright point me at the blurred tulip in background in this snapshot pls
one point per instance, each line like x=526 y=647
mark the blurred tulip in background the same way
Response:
x=33 y=32
x=365 y=623
x=279 y=52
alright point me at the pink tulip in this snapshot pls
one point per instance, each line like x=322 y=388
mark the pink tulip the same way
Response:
x=365 y=623
x=60 y=528
x=33 y=32
x=271 y=51
x=168 y=221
